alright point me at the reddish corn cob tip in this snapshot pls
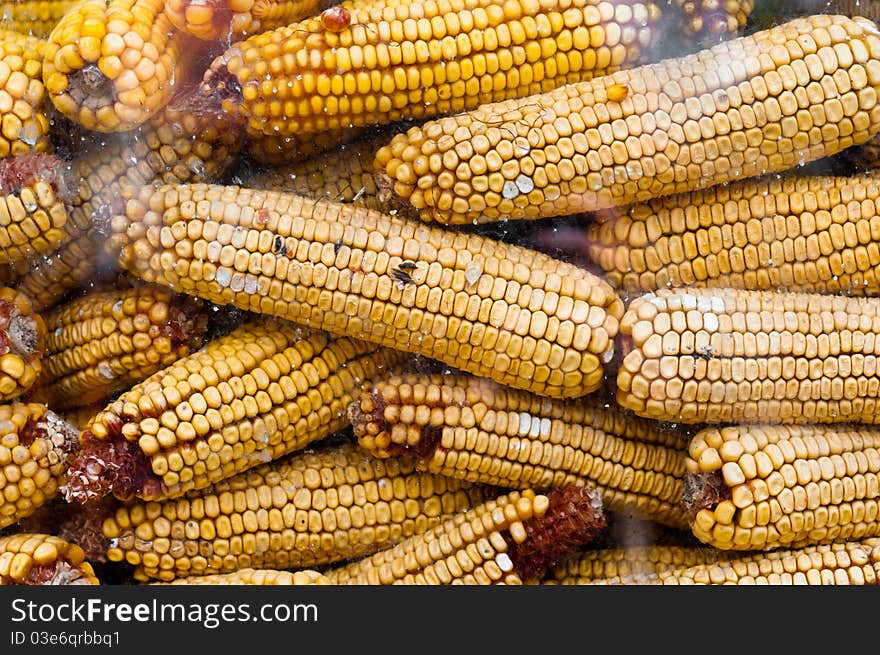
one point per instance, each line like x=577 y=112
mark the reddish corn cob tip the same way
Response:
x=29 y=168
x=37 y=559
x=574 y=517
x=704 y=491
x=367 y=416
x=113 y=466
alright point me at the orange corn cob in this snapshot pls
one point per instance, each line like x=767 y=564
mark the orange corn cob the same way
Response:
x=24 y=121
x=105 y=342
x=495 y=310
x=112 y=64
x=405 y=60
x=22 y=343
x=756 y=104
x=264 y=390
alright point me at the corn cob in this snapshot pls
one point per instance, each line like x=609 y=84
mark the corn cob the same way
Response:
x=24 y=122
x=592 y=565
x=33 y=209
x=297 y=148
x=405 y=60
x=473 y=429
x=492 y=309
x=112 y=64
x=710 y=21
x=756 y=104
x=262 y=391
x=33 y=17
x=345 y=174
x=22 y=343
x=42 y=559
x=105 y=342
x=726 y=355
x=846 y=563
x=511 y=539
x=187 y=141
x=763 y=487
x=36 y=446
x=305 y=510
x=800 y=233
x=248 y=576
x=233 y=20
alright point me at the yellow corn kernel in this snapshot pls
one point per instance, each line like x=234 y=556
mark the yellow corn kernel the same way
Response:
x=306 y=510
x=733 y=111
x=476 y=430
x=408 y=60
x=496 y=310
x=727 y=355
x=42 y=559
x=253 y=395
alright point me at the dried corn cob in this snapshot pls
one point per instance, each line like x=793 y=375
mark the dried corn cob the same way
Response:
x=33 y=211
x=112 y=64
x=248 y=576
x=726 y=355
x=42 y=559
x=277 y=150
x=511 y=539
x=105 y=342
x=404 y=60
x=33 y=17
x=22 y=342
x=24 y=122
x=233 y=20
x=474 y=429
x=847 y=563
x=756 y=104
x=492 y=309
x=800 y=233
x=305 y=510
x=707 y=22
x=593 y=565
x=262 y=391
x=187 y=142
x=345 y=174
x=36 y=446
x=762 y=487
